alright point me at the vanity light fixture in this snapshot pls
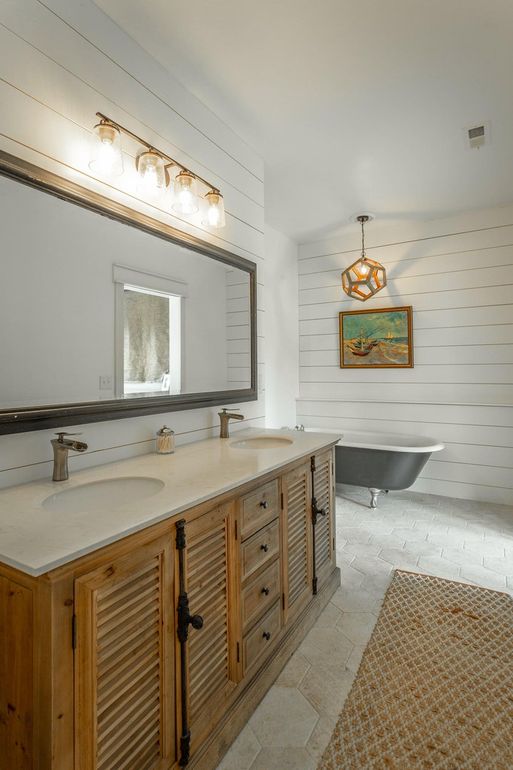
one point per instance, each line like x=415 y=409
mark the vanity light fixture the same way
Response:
x=214 y=213
x=186 y=200
x=153 y=173
x=106 y=156
x=365 y=277
x=151 y=170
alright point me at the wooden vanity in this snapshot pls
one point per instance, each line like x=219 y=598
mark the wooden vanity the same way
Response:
x=153 y=651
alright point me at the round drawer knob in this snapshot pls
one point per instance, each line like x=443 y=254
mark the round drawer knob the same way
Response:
x=266 y=635
x=265 y=591
x=264 y=547
x=264 y=504
x=196 y=622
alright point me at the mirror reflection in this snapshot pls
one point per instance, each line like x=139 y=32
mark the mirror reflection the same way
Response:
x=92 y=309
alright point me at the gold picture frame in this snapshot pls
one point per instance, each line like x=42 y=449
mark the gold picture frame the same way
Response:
x=380 y=338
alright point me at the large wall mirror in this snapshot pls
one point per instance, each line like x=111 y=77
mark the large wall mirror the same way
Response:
x=106 y=313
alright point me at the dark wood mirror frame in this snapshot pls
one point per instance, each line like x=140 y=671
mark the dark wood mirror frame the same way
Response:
x=42 y=417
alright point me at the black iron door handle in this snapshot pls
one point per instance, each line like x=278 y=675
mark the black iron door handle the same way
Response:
x=264 y=504
x=316 y=511
x=184 y=620
x=265 y=591
x=266 y=635
x=264 y=547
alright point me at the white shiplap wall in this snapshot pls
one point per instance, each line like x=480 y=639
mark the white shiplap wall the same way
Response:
x=458 y=276
x=62 y=62
x=281 y=318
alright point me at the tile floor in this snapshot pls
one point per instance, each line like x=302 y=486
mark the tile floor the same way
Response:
x=457 y=539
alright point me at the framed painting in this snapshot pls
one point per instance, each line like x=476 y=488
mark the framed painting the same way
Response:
x=376 y=339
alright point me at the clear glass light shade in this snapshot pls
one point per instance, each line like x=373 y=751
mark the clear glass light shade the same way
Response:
x=363 y=279
x=214 y=212
x=151 y=182
x=106 y=156
x=186 y=201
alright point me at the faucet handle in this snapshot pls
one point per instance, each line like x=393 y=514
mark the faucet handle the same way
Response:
x=232 y=409
x=63 y=433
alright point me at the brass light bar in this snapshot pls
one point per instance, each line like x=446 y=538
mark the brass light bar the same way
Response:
x=151 y=147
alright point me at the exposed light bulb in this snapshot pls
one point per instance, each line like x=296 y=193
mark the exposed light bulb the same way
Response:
x=363 y=268
x=151 y=175
x=106 y=156
x=186 y=201
x=214 y=213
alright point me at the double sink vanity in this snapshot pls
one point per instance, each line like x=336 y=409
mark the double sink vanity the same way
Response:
x=147 y=605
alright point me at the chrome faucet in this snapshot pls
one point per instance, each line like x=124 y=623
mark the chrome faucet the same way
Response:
x=61 y=447
x=225 y=416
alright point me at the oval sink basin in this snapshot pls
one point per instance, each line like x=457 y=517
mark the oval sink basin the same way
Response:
x=105 y=495
x=262 y=442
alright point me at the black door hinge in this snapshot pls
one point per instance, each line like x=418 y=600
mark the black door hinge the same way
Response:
x=73 y=632
x=283 y=601
x=236 y=530
x=314 y=586
x=282 y=501
x=238 y=652
x=312 y=464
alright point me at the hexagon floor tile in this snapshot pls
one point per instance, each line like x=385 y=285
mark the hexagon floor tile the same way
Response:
x=284 y=718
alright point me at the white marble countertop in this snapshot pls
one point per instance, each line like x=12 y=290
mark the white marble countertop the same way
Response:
x=36 y=540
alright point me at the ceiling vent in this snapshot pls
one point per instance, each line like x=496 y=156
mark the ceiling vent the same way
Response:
x=477 y=136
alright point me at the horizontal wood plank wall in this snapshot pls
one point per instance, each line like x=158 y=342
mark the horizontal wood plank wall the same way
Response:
x=458 y=276
x=62 y=62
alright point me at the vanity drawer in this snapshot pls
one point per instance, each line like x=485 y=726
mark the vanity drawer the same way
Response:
x=260 y=594
x=262 y=547
x=260 y=641
x=258 y=508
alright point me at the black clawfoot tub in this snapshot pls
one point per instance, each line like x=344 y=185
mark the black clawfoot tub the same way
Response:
x=381 y=461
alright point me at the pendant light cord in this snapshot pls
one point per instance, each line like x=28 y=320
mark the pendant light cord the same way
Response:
x=363 y=238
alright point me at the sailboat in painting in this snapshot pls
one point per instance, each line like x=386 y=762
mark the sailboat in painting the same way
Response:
x=362 y=345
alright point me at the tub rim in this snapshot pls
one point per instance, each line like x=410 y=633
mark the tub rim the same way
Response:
x=430 y=445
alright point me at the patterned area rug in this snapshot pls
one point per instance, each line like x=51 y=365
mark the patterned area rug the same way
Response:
x=435 y=685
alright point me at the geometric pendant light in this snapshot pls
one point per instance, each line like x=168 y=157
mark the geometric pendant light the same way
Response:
x=365 y=277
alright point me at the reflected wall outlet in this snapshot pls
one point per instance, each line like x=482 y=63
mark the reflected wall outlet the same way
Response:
x=106 y=382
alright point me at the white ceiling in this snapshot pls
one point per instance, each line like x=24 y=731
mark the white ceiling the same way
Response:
x=355 y=106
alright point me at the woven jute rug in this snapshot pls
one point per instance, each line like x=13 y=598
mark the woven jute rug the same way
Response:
x=435 y=685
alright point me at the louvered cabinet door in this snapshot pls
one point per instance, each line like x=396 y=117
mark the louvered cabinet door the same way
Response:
x=211 y=565
x=124 y=662
x=297 y=542
x=324 y=530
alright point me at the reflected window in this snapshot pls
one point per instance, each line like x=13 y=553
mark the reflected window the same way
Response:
x=149 y=320
x=152 y=341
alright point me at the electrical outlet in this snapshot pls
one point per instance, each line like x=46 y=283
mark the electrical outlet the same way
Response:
x=106 y=382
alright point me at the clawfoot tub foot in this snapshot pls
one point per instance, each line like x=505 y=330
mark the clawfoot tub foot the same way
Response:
x=374 y=496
